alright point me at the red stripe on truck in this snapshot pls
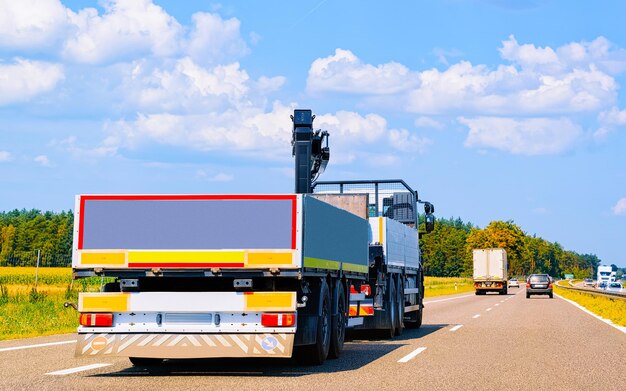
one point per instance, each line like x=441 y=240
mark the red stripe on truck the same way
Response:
x=186 y=265
x=172 y=197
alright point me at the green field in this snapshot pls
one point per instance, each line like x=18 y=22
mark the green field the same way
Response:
x=26 y=311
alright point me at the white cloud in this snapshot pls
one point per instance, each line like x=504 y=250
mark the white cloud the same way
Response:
x=214 y=40
x=533 y=136
x=220 y=177
x=43 y=160
x=127 y=28
x=344 y=72
x=403 y=140
x=427 y=122
x=620 y=207
x=5 y=156
x=25 y=79
x=573 y=78
x=609 y=120
x=32 y=24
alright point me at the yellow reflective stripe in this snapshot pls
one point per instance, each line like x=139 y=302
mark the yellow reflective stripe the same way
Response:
x=352 y=267
x=103 y=302
x=270 y=258
x=185 y=257
x=104 y=258
x=321 y=263
x=380 y=230
x=270 y=301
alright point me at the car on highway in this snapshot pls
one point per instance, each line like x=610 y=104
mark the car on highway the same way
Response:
x=539 y=284
x=587 y=282
x=514 y=282
x=615 y=287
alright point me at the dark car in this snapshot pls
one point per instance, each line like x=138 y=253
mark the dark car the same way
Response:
x=539 y=284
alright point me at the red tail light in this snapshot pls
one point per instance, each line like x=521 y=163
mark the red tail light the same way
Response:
x=96 y=320
x=278 y=320
x=527 y=284
x=550 y=285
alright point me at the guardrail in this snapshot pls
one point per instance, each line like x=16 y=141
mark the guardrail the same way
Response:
x=592 y=291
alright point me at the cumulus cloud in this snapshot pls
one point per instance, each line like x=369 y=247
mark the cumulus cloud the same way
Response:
x=214 y=40
x=125 y=30
x=532 y=136
x=345 y=72
x=25 y=79
x=609 y=120
x=573 y=78
x=42 y=160
x=127 y=27
x=5 y=156
x=427 y=122
x=403 y=140
x=620 y=207
x=32 y=24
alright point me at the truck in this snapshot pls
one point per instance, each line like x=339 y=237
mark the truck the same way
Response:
x=250 y=275
x=490 y=271
x=605 y=275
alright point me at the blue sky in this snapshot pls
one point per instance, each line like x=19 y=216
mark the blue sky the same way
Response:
x=492 y=109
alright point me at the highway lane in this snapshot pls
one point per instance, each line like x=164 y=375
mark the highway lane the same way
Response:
x=514 y=342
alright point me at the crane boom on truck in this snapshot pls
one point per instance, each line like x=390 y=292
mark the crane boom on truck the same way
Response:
x=252 y=275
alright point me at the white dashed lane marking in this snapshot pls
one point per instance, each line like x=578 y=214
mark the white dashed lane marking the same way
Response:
x=41 y=345
x=476 y=316
x=411 y=355
x=455 y=328
x=77 y=369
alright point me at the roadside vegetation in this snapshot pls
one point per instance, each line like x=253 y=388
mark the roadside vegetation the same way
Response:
x=605 y=307
x=29 y=311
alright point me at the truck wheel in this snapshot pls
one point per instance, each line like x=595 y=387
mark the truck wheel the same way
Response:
x=338 y=324
x=145 y=361
x=399 y=307
x=316 y=354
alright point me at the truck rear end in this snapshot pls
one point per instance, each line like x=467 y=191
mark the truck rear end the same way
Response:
x=490 y=271
x=209 y=275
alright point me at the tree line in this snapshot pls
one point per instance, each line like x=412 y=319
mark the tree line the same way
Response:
x=24 y=232
x=447 y=251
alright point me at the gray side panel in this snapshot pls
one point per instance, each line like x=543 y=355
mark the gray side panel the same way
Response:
x=187 y=224
x=334 y=234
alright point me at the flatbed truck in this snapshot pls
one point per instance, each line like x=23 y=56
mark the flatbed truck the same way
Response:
x=249 y=275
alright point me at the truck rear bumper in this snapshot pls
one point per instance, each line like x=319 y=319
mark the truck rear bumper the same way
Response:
x=184 y=345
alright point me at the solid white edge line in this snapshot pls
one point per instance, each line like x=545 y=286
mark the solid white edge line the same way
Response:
x=77 y=369
x=451 y=298
x=476 y=316
x=41 y=345
x=488 y=309
x=455 y=328
x=411 y=355
x=607 y=321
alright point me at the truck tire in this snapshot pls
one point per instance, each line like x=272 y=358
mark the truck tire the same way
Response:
x=399 y=306
x=145 y=361
x=318 y=352
x=338 y=324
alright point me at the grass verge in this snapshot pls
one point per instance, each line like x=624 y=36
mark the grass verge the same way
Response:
x=605 y=307
x=29 y=311
x=439 y=286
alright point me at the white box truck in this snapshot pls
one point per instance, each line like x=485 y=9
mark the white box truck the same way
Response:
x=490 y=271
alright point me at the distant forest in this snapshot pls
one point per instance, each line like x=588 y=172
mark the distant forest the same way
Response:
x=447 y=251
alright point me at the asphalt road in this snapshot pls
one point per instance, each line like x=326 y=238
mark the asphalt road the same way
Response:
x=467 y=342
